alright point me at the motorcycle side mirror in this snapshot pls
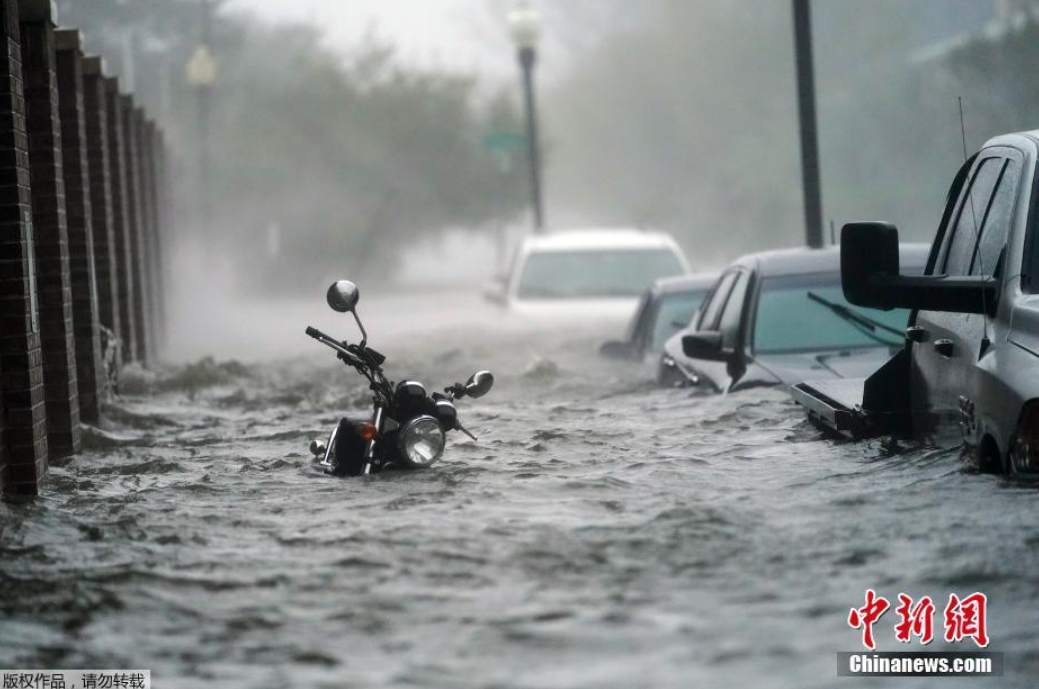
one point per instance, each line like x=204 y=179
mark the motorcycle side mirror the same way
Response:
x=343 y=296
x=479 y=384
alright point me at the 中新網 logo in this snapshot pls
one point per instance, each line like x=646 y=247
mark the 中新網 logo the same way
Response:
x=963 y=618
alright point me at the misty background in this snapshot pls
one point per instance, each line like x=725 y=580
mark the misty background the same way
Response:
x=346 y=139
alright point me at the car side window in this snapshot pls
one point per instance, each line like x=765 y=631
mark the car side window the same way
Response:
x=713 y=309
x=959 y=248
x=639 y=324
x=996 y=229
x=733 y=312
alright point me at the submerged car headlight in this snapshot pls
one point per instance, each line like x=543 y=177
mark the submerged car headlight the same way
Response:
x=421 y=442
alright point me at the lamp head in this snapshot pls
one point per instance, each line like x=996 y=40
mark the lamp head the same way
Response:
x=525 y=25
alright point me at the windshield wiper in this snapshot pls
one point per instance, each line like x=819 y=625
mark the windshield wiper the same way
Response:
x=867 y=325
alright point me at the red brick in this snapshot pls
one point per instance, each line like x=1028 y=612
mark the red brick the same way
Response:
x=50 y=234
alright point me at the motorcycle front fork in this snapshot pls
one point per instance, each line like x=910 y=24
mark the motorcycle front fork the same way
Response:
x=328 y=461
x=369 y=452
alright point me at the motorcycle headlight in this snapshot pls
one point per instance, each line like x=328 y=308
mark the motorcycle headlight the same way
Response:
x=421 y=442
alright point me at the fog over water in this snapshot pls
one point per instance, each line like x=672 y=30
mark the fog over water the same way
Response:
x=345 y=144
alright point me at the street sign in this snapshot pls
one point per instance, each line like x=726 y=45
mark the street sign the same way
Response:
x=505 y=141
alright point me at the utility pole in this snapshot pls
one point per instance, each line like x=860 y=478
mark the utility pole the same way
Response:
x=809 y=128
x=527 y=58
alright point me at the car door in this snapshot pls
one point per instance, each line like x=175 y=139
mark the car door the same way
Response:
x=641 y=323
x=731 y=326
x=948 y=347
x=709 y=372
x=987 y=404
x=723 y=314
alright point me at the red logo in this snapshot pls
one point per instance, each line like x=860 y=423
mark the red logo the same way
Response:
x=914 y=620
x=865 y=617
x=964 y=618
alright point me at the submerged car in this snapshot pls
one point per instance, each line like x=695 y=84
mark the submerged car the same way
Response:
x=779 y=317
x=665 y=308
x=587 y=274
x=970 y=362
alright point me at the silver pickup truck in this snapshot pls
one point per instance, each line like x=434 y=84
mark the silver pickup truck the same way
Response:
x=970 y=363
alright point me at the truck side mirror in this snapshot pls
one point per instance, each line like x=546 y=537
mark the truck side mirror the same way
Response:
x=706 y=345
x=870 y=276
x=869 y=253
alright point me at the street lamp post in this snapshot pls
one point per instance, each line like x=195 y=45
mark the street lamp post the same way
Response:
x=201 y=74
x=525 y=26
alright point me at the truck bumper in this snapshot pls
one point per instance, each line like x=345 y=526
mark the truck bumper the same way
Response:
x=836 y=405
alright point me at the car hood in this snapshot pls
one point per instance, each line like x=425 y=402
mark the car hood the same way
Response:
x=795 y=368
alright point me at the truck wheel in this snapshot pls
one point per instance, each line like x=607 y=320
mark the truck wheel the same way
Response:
x=1015 y=466
x=1022 y=460
x=989 y=458
x=1008 y=464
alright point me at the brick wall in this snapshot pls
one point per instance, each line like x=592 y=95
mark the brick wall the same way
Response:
x=21 y=361
x=157 y=235
x=99 y=164
x=135 y=224
x=86 y=330
x=148 y=226
x=120 y=221
x=50 y=234
x=161 y=224
x=81 y=214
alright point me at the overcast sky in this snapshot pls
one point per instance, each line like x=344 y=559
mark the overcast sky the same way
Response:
x=462 y=34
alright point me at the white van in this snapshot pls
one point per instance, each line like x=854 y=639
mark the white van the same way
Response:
x=587 y=274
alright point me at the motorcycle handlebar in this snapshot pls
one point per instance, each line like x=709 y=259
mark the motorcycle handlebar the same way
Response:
x=329 y=341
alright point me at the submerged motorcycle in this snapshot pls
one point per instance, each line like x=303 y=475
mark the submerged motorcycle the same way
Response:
x=408 y=427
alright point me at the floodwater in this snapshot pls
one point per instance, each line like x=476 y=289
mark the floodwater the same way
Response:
x=601 y=532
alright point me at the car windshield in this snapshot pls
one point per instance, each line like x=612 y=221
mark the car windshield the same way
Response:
x=594 y=273
x=793 y=316
x=673 y=313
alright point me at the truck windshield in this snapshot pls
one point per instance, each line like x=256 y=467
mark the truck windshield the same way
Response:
x=594 y=273
x=790 y=321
